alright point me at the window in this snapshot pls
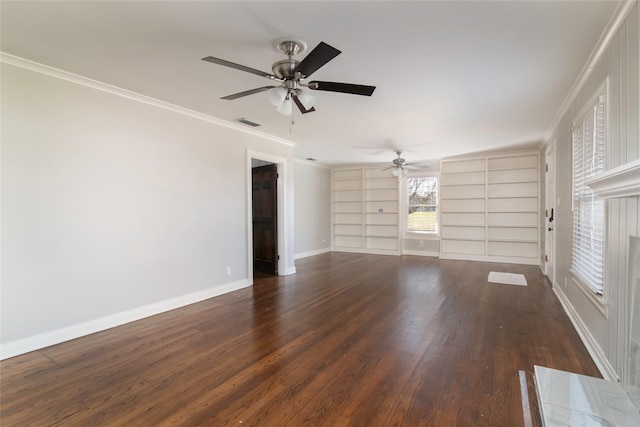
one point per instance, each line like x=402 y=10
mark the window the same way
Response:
x=423 y=204
x=589 y=134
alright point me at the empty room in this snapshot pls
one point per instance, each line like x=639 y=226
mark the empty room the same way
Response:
x=319 y=213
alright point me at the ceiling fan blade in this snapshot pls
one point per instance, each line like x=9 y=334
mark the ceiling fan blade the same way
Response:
x=248 y=92
x=342 y=87
x=319 y=56
x=411 y=167
x=300 y=106
x=239 y=67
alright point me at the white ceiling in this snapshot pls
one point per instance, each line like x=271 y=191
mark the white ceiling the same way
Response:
x=451 y=77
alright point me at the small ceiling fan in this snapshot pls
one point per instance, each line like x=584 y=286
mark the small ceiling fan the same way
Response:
x=291 y=74
x=400 y=164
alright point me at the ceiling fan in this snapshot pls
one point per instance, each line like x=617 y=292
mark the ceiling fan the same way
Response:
x=291 y=74
x=400 y=164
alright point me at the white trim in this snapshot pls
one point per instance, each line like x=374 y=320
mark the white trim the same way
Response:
x=282 y=219
x=549 y=153
x=310 y=163
x=25 y=345
x=114 y=90
x=598 y=356
x=422 y=253
x=366 y=251
x=598 y=301
x=489 y=258
x=621 y=181
x=422 y=235
x=617 y=20
x=593 y=100
x=497 y=154
x=312 y=253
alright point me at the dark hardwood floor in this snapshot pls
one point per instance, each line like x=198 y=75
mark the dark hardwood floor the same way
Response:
x=358 y=340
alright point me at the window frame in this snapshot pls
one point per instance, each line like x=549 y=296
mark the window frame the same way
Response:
x=599 y=298
x=411 y=234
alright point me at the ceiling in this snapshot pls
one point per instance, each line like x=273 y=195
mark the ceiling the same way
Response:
x=452 y=77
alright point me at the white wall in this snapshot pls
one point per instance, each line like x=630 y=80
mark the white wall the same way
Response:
x=113 y=209
x=606 y=333
x=312 y=209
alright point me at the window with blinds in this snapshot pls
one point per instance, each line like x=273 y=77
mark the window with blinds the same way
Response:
x=589 y=138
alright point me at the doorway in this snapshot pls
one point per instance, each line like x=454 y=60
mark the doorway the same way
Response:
x=549 y=224
x=284 y=212
x=264 y=200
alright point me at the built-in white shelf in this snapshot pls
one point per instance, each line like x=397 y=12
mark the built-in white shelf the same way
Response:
x=490 y=207
x=370 y=197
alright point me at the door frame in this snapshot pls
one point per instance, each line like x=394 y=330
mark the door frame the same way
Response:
x=550 y=191
x=282 y=221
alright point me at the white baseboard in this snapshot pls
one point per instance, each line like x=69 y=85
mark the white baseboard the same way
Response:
x=366 y=251
x=490 y=258
x=290 y=270
x=311 y=253
x=58 y=336
x=598 y=356
x=421 y=253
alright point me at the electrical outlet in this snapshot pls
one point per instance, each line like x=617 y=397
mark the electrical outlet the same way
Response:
x=228 y=271
x=324 y=242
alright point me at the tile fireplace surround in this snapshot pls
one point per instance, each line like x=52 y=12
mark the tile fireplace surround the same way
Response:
x=568 y=399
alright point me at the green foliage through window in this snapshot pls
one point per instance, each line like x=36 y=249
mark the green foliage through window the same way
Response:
x=423 y=204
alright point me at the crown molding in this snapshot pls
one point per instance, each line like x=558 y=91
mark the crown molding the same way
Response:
x=618 y=18
x=37 y=67
x=312 y=163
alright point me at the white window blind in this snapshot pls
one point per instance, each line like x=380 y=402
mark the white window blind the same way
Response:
x=588 y=261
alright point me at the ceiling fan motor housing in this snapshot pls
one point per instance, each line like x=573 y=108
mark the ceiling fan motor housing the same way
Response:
x=285 y=69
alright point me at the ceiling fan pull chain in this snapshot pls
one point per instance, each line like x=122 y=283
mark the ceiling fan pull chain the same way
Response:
x=292 y=123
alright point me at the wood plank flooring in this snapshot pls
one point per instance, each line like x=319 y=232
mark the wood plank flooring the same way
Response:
x=351 y=339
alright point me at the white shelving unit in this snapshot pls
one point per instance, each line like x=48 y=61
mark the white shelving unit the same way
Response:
x=463 y=207
x=347 y=209
x=490 y=209
x=365 y=211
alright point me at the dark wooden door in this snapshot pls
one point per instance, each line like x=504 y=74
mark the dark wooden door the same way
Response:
x=265 y=232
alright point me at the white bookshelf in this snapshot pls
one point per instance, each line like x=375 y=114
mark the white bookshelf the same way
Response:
x=347 y=212
x=463 y=207
x=365 y=211
x=490 y=208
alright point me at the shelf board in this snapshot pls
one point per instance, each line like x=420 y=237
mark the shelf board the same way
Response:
x=513 y=226
x=463 y=226
x=511 y=241
x=514 y=212
x=462 y=185
x=462 y=240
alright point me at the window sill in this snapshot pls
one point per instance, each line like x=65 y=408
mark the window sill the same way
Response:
x=597 y=300
x=417 y=235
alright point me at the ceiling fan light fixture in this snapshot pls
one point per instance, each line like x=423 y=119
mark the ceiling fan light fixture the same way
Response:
x=307 y=99
x=286 y=107
x=277 y=96
x=395 y=171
